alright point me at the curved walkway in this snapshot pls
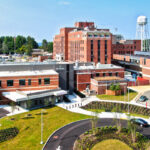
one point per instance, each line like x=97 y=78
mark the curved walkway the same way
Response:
x=66 y=136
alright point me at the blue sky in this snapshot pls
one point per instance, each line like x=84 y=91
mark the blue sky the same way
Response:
x=43 y=18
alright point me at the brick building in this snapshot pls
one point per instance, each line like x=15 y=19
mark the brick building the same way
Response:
x=120 y=46
x=138 y=64
x=102 y=84
x=84 y=43
x=34 y=86
x=84 y=74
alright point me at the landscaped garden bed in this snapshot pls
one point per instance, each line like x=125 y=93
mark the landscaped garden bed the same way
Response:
x=117 y=107
x=87 y=140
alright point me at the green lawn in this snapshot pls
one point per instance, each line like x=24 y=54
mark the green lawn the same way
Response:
x=111 y=145
x=29 y=129
x=119 y=97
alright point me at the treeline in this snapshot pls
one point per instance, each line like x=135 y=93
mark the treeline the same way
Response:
x=22 y=45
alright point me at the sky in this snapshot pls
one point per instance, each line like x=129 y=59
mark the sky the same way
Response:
x=42 y=19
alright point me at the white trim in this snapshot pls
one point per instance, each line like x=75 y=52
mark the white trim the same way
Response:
x=146 y=75
x=145 y=67
x=108 y=84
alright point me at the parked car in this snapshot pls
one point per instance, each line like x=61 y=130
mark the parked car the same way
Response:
x=143 y=99
x=139 y=122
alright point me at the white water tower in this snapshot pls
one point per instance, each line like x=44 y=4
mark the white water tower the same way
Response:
x=142 y=32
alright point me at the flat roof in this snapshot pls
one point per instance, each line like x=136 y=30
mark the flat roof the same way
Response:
x=108 y=78
x=98 y=66
x=23 y=95
x=27 y=73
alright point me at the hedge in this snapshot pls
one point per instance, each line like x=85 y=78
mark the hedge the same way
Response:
x=8 y=133
x=118 y=107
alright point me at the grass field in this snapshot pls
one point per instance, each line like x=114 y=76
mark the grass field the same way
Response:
x=111 y=145
x=29 y=129
x=119 y=97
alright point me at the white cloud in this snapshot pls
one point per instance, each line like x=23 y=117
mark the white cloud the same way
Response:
x=64 y=3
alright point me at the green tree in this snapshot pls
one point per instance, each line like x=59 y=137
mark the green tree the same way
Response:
x=13 y=106
x=50 y=47
x=117 y=87
x=20 y=40
x=45 y=45
x=112 y=87
x=31 y=42
x=4 y=48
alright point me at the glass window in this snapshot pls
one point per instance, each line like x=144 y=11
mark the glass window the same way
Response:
x=104 y=74
x=40 y=81
x=22 y=82
x=29 y=81
x=46 y=80
x=97 y=74
x=110 y=74
x=116 y=73
x=10 y=82
x=0 y=83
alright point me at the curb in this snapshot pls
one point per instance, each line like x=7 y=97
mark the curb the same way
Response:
x=60 y=129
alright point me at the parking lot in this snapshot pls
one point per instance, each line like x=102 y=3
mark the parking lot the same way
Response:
x=147 y=94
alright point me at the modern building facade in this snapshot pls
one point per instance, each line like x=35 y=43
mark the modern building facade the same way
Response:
x=84 y=43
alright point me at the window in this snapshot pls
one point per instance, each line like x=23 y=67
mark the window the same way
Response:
x=97 y=74
x=47 y=81
x=0 y=83
x=91 y=75
x=40 y=81
x=104 y=74
x=22 y=82
x=10 y=82
x=144 y=61
x=116 y=73
x=29 y=81
x=110 y=74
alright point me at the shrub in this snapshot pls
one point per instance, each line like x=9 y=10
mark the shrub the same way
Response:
x=7 y=134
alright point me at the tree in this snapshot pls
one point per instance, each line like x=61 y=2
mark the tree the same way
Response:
x=13 y=106
x=44 y=45
x=20 y=40
x=117 y=118
x=132 y=129
x=50 y=47
x=29 y=104
x=31 y=42
x=112 y=87
x=94 y=122
x=4 y=48
x=46 y=102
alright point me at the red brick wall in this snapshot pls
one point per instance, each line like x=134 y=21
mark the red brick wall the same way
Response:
x=54 y=83
x=84 y=77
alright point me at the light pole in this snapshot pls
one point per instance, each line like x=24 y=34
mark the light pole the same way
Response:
x=41 y=127
x=128 y=101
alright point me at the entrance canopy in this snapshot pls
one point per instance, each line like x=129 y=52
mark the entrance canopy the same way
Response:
x=18 y=96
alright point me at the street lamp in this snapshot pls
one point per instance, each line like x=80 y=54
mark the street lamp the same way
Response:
x=42 y=127
x=128 y=100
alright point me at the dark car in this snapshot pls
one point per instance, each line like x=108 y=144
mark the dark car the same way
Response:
x=139 y=122
x=143 y=99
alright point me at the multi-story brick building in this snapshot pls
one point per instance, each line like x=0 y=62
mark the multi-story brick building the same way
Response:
x=84 y=43
x=120 y=46
x=84 y=73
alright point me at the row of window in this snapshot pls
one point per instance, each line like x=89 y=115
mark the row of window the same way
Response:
x=104 y=74
x=107 y=36
x=22 y=82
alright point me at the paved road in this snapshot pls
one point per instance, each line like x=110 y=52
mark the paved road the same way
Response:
x=65 y=137
x=3 y=112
